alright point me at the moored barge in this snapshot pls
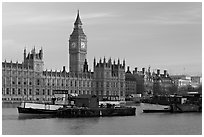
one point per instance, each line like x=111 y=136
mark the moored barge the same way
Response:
x=76 y=106
x=179 y=104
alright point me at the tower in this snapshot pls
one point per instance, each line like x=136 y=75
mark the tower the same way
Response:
x=109 y=79
x=77 y=47
x=34 y=60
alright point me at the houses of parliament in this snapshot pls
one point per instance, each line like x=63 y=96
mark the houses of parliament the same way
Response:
x=29 y=81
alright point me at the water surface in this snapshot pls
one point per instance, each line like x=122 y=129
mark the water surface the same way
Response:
x=141 y=124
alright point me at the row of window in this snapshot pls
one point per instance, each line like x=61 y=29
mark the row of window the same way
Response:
x=12 y=99
x=37 y=92
x=107 y=74
x=130 y=86
x=108 y=84
x=71 y=75
x=131 y=89
x=109 y=92
x=31 y=73
x=19 y=73
x=25 y=99
x=48 y=82
x=48 y=92
x=19 y=81
x=19 y=91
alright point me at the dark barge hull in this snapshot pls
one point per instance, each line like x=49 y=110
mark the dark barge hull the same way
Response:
x=126 y=111
x=79 y=112
x=36 y=111
x=177 y=108
x=95 y=112
x=184 y=108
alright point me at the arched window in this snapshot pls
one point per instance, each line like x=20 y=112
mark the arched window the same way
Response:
x=7 y=91
x=19 y=91
x=24 y=91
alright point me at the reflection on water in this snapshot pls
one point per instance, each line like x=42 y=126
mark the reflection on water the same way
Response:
x=78 y=126
x=141 y=124
x=30 y=116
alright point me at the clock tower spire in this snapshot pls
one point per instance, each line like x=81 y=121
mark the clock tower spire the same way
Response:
x=78 y=20
x=77 y=47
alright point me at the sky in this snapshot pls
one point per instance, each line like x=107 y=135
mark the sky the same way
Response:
x=160 y=35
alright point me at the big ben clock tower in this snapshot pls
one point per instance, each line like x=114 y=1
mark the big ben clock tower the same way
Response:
x=77 y=47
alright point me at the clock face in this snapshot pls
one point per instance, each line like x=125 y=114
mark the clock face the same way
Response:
x=73 y=44
x=83 y=45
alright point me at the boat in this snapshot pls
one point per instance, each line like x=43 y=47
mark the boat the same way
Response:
x=184 y=108
x=178 y=104
x=65 y=105
x=38 y=108
x=109 y=110
x=155 y=108
x=59 y=100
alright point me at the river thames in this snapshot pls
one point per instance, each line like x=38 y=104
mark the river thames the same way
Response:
x=140 y=124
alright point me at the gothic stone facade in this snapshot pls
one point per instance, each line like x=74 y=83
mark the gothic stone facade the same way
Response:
x=109 y=78
x=29 y=81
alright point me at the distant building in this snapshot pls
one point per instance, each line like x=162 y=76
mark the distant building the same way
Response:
x=134 y=81
x=148 y=82
x=130 y=82
x=196 y=81
x=181 y=80
x=162 y=83
x=185 y=80
x=139 y=75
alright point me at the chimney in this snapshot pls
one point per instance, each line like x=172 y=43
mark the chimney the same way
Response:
x=158 y=72
x=94 y=62
x=63 y=69
x=128 y=69
x=41 y=53
x=143 y=70
x=24 y=54
x=124 y=63
x=165 y=73
x=104 y=60
x=100 y=63
x=118 y=61
x=136 y=70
